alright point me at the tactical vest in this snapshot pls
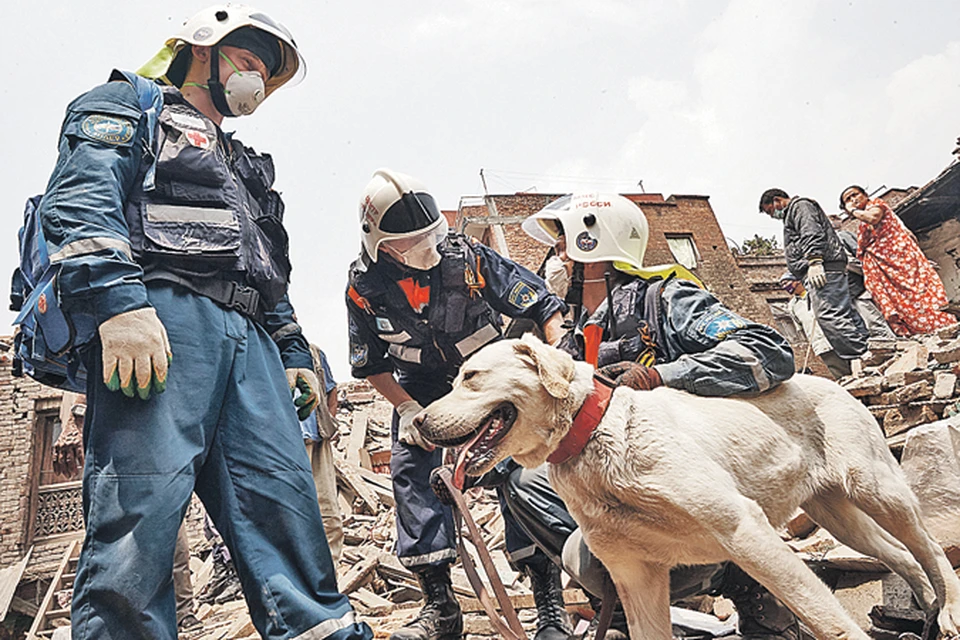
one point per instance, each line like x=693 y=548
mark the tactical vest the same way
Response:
x=629 y=336
x=456 y=323
x=212 y=213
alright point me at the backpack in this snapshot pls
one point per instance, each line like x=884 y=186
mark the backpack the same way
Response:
x=45 y=346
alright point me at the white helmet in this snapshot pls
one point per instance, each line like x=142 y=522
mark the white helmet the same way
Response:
x=212 y=25
x=598 y=227
x=397 y=211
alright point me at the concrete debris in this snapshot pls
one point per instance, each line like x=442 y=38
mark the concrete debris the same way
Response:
x=931 y=462
x=909 y=382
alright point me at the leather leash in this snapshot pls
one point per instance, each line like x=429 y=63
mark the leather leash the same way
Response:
x=507 y=624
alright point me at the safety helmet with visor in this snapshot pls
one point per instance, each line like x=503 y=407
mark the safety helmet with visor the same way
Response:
x=241 y=26
x=598 y=227
x=398 y=215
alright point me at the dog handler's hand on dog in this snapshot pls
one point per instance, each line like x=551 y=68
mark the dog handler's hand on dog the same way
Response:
x=633 y=375
x=408 y=433
x=135 y=350
x=553 y=330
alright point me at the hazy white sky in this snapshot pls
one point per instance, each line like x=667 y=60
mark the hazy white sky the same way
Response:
x=718 y=98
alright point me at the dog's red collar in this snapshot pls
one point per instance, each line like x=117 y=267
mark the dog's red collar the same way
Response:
x=586 y=420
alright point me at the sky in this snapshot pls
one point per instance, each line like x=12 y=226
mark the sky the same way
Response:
x=719 y=98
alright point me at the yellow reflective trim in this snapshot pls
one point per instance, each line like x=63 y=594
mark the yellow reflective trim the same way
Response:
x=663 y=271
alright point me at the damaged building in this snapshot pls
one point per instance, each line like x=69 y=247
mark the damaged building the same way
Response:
x=908 y=388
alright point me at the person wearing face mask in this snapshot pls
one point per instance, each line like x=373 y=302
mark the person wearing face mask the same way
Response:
x=420 y=300
x=644 y=327
x=816 y=257
x=167 y=232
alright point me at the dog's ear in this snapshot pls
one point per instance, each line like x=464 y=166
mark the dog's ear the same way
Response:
x=554 y=367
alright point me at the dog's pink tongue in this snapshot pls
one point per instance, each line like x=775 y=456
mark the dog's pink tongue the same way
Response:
x=459 y=471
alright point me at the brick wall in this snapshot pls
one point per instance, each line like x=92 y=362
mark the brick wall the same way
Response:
x=679 y=215
x=18 y=401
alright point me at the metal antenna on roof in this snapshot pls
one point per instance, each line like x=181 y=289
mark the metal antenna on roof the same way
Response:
x=496 y=228
x=640 y=184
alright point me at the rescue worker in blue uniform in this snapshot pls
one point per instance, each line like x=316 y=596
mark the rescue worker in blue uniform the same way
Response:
x=420 y=301
x=665 y=329
x=169 y=236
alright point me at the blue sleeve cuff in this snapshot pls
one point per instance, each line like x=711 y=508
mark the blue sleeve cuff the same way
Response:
x=295 y=352
x=118 y=299
x=549 y=306
x=674 y=374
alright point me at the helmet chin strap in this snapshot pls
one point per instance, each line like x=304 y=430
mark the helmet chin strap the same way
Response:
x=611 y=316
x=214 y=85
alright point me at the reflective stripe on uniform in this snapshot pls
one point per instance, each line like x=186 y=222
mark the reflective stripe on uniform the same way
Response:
x=328 y=627
x=485 y=334
x=91 y=245
x=407 y=354
x=396 y=338
x=749 y=358
x=285 y=330
x=180 y=213
x=428 y=558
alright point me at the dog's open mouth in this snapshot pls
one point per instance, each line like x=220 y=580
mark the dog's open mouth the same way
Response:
x=474 y=456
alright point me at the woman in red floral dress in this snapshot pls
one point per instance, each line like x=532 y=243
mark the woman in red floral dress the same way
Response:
x=899 y=277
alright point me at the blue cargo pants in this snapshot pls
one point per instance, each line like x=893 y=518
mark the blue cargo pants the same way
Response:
x=225 y=428
x=425 y=532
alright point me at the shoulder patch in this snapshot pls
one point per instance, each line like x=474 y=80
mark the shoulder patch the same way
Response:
x=109 y=129
x=522 y=295
x=358 y=355
x=718 y=323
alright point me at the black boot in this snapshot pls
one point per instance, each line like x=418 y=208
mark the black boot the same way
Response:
x=761 y=615
x=552 y=620
x=440 y=618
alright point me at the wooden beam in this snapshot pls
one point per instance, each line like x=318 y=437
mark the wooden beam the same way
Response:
x=358 y=436
x=349 y=474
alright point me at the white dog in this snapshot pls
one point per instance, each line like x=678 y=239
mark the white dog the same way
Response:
x=670 y=478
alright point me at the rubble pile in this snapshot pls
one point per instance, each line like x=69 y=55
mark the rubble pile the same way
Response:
x=909 y=382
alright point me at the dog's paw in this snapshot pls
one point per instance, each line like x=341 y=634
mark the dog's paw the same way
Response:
x=949 y=622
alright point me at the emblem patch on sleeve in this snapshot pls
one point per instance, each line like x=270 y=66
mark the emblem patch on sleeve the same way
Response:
x=358 y=355
x=719 y=323
x=109 y=129
x=522 y=295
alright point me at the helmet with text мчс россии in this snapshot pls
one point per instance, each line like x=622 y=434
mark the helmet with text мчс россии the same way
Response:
x=598 y=227
x=398 y=215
